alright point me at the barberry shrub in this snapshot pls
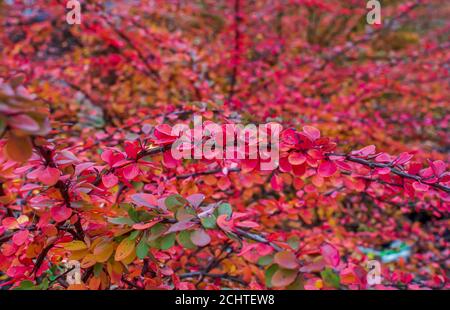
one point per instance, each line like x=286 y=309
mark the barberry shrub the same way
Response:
x=87 y=174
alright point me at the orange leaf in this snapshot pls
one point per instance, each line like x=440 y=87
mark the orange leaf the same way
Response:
x=125 y=248
x=18 y=148
x=103 y=251
x=88 y=261
x=286 y=260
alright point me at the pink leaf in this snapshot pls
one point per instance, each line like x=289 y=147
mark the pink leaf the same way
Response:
x=383 y=158
x=131 y=171
x=327 y=168
x=403 y=158
x=49 y=176
x=146 y=200
x=60 y=213
x=365 y=151
x=111 y=157
x=420 y=187
x=297 y=158
x=247 y=224
x=312 y=132
x=330 y=254
x=276 y=182
x=20 y=237
x=23 y=122
x=196 y=199
x=200 y=238
x=180 y=226
x=109 y=180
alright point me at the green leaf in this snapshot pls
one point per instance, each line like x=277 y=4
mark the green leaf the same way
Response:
x=294 y=242
x=174 y=202
x=142 y=249
x=168 y=241
x=121 y=221
x=269 y=273
x=184 y=214
x=265 y=260
x=44 y=285
x=156 y=231
x=25 y=285
x=144 y=216
x=209 y=222
x=225 y=208
x=330 y=277
x=98 y=269
x=134 y=234
x=133 y=214
x=298 y=284
x=184 y=239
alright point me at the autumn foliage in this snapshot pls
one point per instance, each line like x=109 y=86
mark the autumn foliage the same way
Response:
x=87 y=175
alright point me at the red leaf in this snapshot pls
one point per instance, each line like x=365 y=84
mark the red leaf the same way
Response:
x=224 y=224
x=143 y=226
x=132 y=148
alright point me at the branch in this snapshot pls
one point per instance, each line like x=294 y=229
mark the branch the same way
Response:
x=214 y=276
x=394 y=170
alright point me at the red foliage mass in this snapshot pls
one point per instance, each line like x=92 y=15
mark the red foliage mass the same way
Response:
x=86 y=171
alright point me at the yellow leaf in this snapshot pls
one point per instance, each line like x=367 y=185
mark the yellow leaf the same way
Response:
x=125 y=248
x=130 y=258
x=75 y=245
x=95 y=243
x=77 y=255
x=103 y=251
x=88 y=261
